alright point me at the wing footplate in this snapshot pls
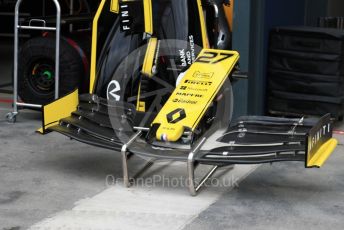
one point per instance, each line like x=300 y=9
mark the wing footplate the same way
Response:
x=320 y=143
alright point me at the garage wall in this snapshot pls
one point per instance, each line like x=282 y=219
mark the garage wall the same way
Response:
x=335 y=8
x=314 y=10
x=241 y=43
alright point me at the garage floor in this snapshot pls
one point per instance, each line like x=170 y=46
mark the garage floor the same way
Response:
x=51 y=182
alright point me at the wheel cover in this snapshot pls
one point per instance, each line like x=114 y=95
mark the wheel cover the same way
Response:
x=42 y=76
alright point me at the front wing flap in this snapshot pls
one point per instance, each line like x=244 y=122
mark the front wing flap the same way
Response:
x=254 y=140
x=250 y=140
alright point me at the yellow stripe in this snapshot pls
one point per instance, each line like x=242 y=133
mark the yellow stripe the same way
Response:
x=147 y=6
x=114 y=7
x=322 y=154
x=138 y=98
x=203 y=26
x=149 y=57
x=140 y=105
x=94 y=46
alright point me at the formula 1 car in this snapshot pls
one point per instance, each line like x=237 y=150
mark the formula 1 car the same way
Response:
x=161 y=89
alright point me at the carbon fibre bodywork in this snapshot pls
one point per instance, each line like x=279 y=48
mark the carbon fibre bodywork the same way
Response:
x=249 y=140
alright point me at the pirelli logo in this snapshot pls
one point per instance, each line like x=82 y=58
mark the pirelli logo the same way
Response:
x=195 y=82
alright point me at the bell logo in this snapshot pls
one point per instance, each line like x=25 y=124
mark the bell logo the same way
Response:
x=176 y=116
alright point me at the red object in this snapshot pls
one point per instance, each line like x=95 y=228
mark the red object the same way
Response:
x=338 y=132
x=7 y=101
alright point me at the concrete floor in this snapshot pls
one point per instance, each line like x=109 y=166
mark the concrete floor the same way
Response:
x=42 y=176
x=282 y=196
x=50 y=182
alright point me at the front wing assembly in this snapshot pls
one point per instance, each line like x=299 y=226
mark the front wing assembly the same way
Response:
x=249 y=140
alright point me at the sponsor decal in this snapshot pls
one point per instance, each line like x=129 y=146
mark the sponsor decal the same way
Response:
x=112 y=91
x=196 y=82
x=210 y=57
x=184 y=101
x=189 y=95
x=187 y=57
x=198 y=74
x=175 y=116
x=125 y=17
x=190 y=88
x=316 y=137
x=192 y=52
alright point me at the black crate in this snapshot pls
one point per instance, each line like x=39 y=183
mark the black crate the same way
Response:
x=303 y=83
x=306 y=71
x=305 y=104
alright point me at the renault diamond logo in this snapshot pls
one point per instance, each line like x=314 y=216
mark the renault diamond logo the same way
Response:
x=176 y=116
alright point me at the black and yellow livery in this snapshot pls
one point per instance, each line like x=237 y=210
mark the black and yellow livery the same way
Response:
x=194 y=94
x=116 y=99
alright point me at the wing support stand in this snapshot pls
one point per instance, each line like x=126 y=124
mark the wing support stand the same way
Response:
x=126 y=156
x=191 y=168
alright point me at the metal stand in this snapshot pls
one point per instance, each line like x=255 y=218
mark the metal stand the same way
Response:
x=11 y=117
x=191 y=166
x=126 y=156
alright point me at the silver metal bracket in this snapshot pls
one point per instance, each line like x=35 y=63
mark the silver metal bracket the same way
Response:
x=126 y=156
x=191 y=168
x=193 y=186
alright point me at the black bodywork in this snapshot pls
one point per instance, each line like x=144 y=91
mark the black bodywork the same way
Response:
x=172 y=20
x=249 y=140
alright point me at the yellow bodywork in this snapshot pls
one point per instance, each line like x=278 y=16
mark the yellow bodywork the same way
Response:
x=203 y=25
x=94 y=43
x=148 y=12
x=197 y=90
x=61 y=108
x=140 y=105
x=147 y=68
x=324 y=152
x=114 y=6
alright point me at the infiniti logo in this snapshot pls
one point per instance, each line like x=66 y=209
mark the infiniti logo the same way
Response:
x=112 y=90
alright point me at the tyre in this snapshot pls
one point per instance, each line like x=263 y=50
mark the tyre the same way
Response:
x=36 y=70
